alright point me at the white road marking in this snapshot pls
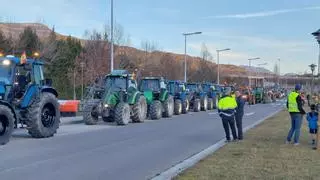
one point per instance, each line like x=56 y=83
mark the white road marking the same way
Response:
x=212 y=113
x=249 y=114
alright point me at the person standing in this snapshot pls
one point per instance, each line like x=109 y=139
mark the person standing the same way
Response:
x=226 y=108
x=296 y=111
x=239 y=114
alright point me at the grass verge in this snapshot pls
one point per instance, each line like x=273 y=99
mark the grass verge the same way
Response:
x=262 y=155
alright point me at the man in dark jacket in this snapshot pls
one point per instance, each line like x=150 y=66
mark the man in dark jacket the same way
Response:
x=296 y=111
x=239 y=114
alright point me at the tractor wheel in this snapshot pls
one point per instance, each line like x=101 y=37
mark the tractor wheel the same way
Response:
x=177 y=107
x=210 y=103
x=204 y=103
x=6 y=124
x=90 y=113
x=122 y=114
x=139 y=110
x=215 y=103
x=196 y=105
x=43 y=116
x=168 y=106
x=155 y=110
x=185 y=106
x=108 y=119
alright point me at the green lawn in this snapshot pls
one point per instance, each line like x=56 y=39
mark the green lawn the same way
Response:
x=262 y=155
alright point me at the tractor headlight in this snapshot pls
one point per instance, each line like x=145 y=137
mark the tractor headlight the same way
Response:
x=106 y=105
x=6 y=62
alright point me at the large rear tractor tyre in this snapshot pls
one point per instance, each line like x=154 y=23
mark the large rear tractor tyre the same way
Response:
x=215 y=103
x=168 y=106
x=139 y=110
x=177 y=107
x=122 y=114
x=210 y=103
x=204 y=103
x=90 y=113
x=185 y=106
x=6 y=124
x=155 y=110
x=196 y=105
x=43 y=116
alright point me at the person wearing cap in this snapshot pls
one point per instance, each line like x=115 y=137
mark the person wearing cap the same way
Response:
x=226 y=107
x=295 y=108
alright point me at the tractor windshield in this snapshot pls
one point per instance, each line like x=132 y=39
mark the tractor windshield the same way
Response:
x=192 y=87
x=116 y=83
x=175 y=87
x=6 y=72
x=206 y=87
x=150 y=84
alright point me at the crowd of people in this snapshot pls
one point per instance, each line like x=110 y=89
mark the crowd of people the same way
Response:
x=231 y=111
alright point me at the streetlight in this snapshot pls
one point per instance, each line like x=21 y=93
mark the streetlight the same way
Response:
x=251 y=59
x=312 y=67
x=185 y=52
x=111 y=54
x=218 y=73
x=317 y=36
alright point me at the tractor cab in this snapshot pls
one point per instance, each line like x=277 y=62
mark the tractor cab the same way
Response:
x=175 y=88
x=153 y=87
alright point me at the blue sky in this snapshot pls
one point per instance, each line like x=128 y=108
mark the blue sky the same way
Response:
x=268 y=29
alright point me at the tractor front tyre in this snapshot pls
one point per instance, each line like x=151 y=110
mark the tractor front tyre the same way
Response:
x=122 y=114
x=210 y=103
x=168 y=106
x=204 y=103
x=177 y=107
x=196 y=105
x=185 y=106
x=90 y=114
x=155 y=110
x=139 y=110
x=6 y=124
x=43 y=116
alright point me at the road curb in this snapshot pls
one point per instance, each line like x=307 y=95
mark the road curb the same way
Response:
x=187 y=163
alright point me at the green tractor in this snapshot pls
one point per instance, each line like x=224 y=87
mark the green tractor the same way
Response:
x=259 y=94
x=160 y=102
x=115 y=98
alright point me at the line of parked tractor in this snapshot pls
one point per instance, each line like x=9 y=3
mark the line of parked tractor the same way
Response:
x=28 y=100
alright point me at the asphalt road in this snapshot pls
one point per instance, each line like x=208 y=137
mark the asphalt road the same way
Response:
x=106 y=151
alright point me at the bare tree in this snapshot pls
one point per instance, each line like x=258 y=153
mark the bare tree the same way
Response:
x=205 y=54
x=149 y=46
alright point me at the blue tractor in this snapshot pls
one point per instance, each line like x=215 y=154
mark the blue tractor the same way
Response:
x=197 y=97
x=214 y=93
x=26 y=99
x=178 y=90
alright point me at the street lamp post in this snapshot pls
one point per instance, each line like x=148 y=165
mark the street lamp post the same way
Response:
x=312 y=67
x=185 y=52
x=111 y=33
x=317 y=36
x=251 y=59
x=263 y=64
x=218 y=59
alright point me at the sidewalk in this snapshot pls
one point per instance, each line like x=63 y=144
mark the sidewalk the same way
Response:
x=262 y=155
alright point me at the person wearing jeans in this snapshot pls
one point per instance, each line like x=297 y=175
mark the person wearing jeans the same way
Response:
x=239 y=114
x=294 y=105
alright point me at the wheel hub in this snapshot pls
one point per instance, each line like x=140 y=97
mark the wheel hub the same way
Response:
x=48 y=116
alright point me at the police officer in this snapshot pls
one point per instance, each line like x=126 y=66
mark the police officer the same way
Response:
x=226 y=108
x=294 y=105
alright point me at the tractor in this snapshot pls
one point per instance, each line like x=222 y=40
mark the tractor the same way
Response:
x=178 y=90
x=259 y=94
x=197 y=97
x=26 y=99
x=115 y=98
x=214 y=93
x=160 y=102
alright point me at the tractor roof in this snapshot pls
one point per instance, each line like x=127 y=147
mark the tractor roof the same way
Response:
x=120 y=73
x=155 y=78
x=17 y=60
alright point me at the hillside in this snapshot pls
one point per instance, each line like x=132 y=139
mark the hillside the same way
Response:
x=14 y=29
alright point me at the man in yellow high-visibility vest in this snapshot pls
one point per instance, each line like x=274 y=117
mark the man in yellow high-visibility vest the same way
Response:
x=295 y=108
x=226 y=107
